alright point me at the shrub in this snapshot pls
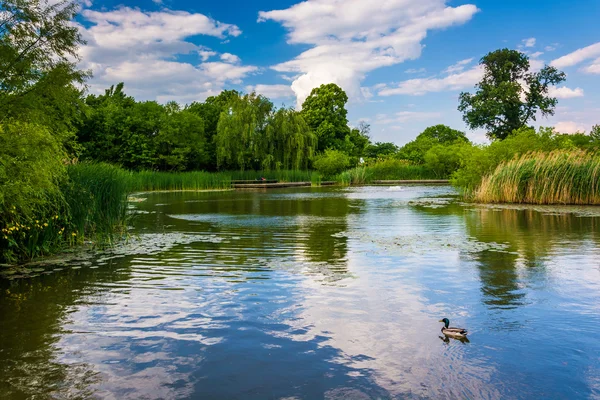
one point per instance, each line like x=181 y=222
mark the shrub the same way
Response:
x=331 y=162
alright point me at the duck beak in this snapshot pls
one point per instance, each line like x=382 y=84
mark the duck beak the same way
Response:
x=441 y=320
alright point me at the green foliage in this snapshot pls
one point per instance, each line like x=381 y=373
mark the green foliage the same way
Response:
x=194 y=180
x=96 y=194
x=290 y=142
x=380 y=150
x=415 y=150
x=444 y=160
x=331 y=162
x=142 y=135
x=38 y=47
x=210 y=111
x=325 y=113
x=479 y=161
x=241 y=133
x=509 y=96
x=394 y=169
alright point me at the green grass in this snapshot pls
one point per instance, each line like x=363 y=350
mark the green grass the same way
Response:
x=195 y=180
x=97 y=199
x=558 y=177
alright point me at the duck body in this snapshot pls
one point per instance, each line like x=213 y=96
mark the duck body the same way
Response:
x=447 y=330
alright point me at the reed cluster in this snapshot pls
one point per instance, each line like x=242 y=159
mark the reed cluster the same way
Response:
x=195 y=180
x=557 y=177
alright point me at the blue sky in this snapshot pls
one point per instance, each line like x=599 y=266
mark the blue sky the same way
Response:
x=402 y=62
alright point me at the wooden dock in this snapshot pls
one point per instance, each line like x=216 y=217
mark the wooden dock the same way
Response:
x=413 y=182
x=276 y=185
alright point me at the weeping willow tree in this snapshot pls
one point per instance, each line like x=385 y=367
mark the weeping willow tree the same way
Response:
x=251 y=135
x=241 y=139
x=291 y=143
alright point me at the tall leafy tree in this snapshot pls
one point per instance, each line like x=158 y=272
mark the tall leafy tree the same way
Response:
x=241 y=132
x=38 y=52
x=509 y=95
x=325 y=112
x=210 y=111
x=434 y=135
x=290 y=141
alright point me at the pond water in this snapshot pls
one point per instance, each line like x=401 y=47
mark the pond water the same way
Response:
x=315 y=293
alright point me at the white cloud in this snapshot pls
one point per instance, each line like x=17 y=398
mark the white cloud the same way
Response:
x=272 y=91
x=415 y=71
x=205 y=54
x=416 y=87
x=593 y=68
x=537 y=54
x=564 y=92
x=352 y=37
x=569 y=127
x=141 y=49
x=230 y=58
x=458 y=67
x=530 y=42
x=578 y=56
x=407 y=116
x=550 y=48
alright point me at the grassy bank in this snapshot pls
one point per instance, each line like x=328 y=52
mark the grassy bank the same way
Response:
x=558 y=177
x=88 y=202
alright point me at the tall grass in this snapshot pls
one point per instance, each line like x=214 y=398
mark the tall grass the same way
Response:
x=97 y=199
x=557 y=177
x=195 y=180
x=283 y=175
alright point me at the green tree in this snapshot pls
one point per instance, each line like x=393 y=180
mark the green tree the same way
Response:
x=290 y=142
x=381 y=149
x=38 y=52
x=415 y=150
x=509 y=95
x=325 y=112
x=595 y=133
x=180 y=142
x=331 y=162
x=210 y=111
x=241 y=139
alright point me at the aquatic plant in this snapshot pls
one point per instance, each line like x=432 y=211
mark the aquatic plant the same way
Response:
x=557 y=177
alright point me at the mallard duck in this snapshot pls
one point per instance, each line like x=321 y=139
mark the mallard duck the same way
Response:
x=452 y=332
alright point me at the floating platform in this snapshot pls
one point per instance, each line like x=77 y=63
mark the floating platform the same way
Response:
x=277 y=185
x=252 y=182
x=405 y=182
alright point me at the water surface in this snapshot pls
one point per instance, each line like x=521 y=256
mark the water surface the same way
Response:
x=314 y=293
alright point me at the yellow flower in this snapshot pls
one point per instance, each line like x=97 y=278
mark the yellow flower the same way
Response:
x=37 y=222
x=45 y=224
x=5 y=237
x=73 y=234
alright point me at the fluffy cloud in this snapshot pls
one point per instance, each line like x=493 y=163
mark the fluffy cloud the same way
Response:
x=569 y=127
x=578 y=56
x=230 y=58
x=272 y=91
x=352 y=37
x=564 y=92
x=141 y=49
x=593 y=68
x=416 y=87
x=528 y=42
